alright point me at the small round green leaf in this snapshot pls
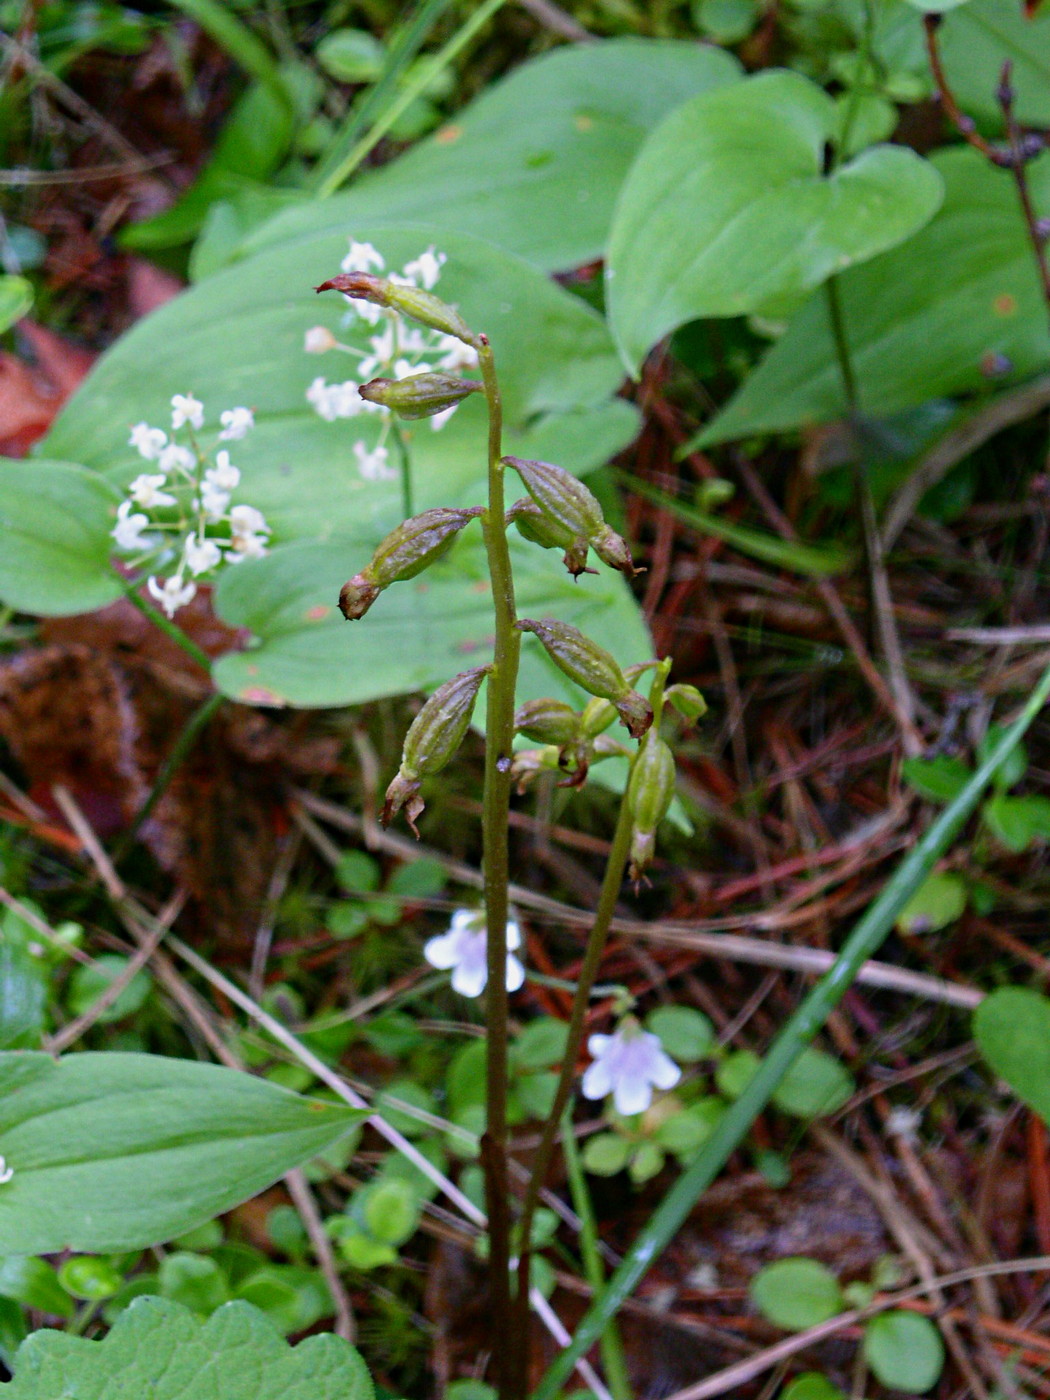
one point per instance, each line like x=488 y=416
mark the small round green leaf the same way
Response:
x=351 y=56
x=796 y=1293
x=606 y=1154
x=541 y=1043
x=1012 y=1030
x=816 y=1085
x=905 y=1351
x=736 y=1071
x=811 y=1385
x=83 y=1276
x=938 y=902
x=686 y=1034
x=90 y=980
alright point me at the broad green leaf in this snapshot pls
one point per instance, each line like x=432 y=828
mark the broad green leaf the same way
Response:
x=905 y=1351
x=726 y=210
x=914 y=337
x=160 y=1349
x=1017 y=821
x=977 y=39
x=16 y=299
x=116 y=1151
x=23 y=996
x=535 y=163
x=1012 y=1030
x=796 y=1293
x=55 y=520
x=33 y=1283
x=938 y=902
x=939 y=779
x=816 y=1085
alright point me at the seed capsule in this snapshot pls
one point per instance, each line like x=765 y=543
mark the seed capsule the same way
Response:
x=416 y=544
x=568 y=503
x=419 y=395
x=597 y=716
x=688 y=701
x=548 y=722
x=421 y=306
x=538 y=528
x=433 y=737
x=590 y=666
x=649 y=795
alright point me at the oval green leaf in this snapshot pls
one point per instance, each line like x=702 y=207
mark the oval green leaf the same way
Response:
x=905 y=1351
x=726 y=210
x=1012 y=1030
x=796 y=1293
x=816 y=1085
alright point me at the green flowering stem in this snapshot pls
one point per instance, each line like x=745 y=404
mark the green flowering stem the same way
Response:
x=405 y=466
x=499 y=745
x=862 y=944
x=177 y=635
x=614 y=1361
x=611 y=886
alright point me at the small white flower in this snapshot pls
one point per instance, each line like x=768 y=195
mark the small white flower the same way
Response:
x=236 y=424
x=147 y=441
x=224 y=475
x=318 y=339
x=6 y=1172
x=366 y=310
x=213 y=501
x=332 y=401
x=903 y=1122
x=374 y=465
x=455 y=355
x=176 y=459
x=246 y=520
x=425 y=270
x=438 y=420
x=403 y=368
x=383 y=348
x=200 y=554
x=628 y=1065
x=248 y=546
x=186 y=409
x=128 y=530
x=362 y=257
x=172 y=594
x=463 y=950
x=145 y=491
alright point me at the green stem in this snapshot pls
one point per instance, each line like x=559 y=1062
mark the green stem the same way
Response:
x=842 y=350
x=614 y=1361
x=174 y=761
x=177 y=635
x=405 y=462
x=499 y=744
x=611 y=885
x=862 y=944
x=345 y=167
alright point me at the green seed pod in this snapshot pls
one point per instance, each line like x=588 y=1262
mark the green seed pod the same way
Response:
x=421 y=306
x=688 y=701
x=565 y=500
x=597 y=716
x=591 y=667
x=433 y=737
x=548 y=722
x=419 y=395
x=416 y=544
x=538 y=528
x=649 y=795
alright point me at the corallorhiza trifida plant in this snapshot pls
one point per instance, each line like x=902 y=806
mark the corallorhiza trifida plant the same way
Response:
x=557 y=512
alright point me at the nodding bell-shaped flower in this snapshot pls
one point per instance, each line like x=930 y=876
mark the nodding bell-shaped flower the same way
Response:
x=649 y=795
x=433 y=737
x=463 y=950
x=591 y=666
x=569 y=504
x=409 y=549
x=629 y=1064
x=419 y=395
x=413 y=302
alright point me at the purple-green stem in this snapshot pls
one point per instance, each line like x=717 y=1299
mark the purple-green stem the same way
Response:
x=499 y=744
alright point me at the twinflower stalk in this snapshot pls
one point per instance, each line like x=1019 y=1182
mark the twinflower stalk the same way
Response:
x=499 y=743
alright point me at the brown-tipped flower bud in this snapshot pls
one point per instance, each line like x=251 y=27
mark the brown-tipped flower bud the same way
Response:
x=538 y=528
x=416 y=544
x=421 y=306
x=649 y=794
x=590 y=666
x=419 y=395
x=565 y=501
x=548 y=722
x=433 y=737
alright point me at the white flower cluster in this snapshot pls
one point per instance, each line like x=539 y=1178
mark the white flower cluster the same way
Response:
x=6 y=1172
x=394 y=351
x=181 y=510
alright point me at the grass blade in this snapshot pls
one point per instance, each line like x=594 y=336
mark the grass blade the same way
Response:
x=862 y=944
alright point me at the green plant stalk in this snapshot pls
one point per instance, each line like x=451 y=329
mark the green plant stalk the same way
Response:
x=612 y=882
x=174 y=761
x=842 y=351
x=614 y=1361
x=401 y=53
x=405 y=463
x=862 y=944
x=177 y=635
x=499 y=745
x=343 y=169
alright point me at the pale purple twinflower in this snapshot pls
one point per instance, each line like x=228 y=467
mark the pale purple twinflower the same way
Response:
x=463 y=950
x=628 y=1064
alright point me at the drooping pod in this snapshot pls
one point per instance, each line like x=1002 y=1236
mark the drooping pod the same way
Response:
x=573 y=507
x=419 y=395
x=538 y=528
x=421 y=306
x=433 y=737
x=591 y=667
x=649 y=795
x=409 y=549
